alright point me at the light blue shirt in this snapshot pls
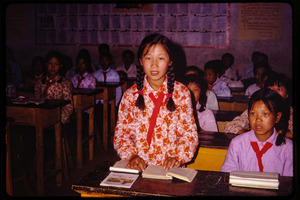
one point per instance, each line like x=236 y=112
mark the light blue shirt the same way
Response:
x=221 y=89
x=111 y=76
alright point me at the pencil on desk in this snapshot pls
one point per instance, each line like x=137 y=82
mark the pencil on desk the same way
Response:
x=218 y=181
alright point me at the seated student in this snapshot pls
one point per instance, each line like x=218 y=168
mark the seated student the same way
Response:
x=15 y=69
x=83 y=77
x=128 y=67
x=258 y=69
x=205 y=116
x=107 y=74
x=264 y=148
x=211 y=75
x=212 y=101
x=54 y=86
x=38 y=70
x=155 y=123
x=277 y=82
x=102 y=49
x=69 y=70
x=248 y=77
x=228 y=74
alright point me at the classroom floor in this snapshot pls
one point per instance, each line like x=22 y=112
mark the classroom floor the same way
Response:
x=24 y=165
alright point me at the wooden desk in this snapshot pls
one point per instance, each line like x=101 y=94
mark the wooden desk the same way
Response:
x=224 y=116
x=85 y=99
x=41 y=116
x=127 y=83
x=237 y=90
x=234 y=103
x=202 y=185
x=9 y=187
x=211 y=151
x=108 y=95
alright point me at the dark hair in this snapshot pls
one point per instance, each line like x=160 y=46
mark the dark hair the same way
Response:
x=151 y=40
x=103 y=48
x=54 y=54
x=85 y=55
x=196 y=69
x=129 y=52
x=229 y=55
x=275 y=104
x=215 y=65
x=201 y=83
x=264 y=65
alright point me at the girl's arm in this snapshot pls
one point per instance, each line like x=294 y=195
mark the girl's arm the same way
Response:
x=67 y=109
x=123 y=143
x=238 y=125
x=187 y=135
x=231 y=159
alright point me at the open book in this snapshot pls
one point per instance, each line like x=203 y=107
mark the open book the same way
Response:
x=158 y=172
x=120 y=166
x=266 y=180
x=119 y=180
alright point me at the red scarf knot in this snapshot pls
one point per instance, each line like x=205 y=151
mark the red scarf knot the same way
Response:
x=259 y=153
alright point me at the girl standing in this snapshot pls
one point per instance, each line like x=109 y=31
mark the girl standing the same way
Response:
x=155 y=123
x=264 y=148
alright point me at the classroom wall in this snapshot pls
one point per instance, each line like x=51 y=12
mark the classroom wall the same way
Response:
x=20 y=36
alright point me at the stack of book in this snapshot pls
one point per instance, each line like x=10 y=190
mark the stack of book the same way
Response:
x=265 y=180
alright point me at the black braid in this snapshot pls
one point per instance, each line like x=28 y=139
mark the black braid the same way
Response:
x=140 y=84
x=171 y=79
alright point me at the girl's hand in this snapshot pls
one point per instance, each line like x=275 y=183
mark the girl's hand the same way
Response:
x=170 y=162
x=136 y=162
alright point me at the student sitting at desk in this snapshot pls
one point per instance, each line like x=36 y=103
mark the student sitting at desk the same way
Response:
x=258 y=70
x=211 y=75
x=205 y=116
x=156 y=124
x=38 y=70
x=277 y=82
x=54 y=86
x=107 y=74
x=264 y=148
x=83 y=77
x=128 y=67
x=212 y=101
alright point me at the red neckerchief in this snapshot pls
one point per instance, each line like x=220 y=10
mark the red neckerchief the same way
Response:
x=157 y=102
x=259 y=153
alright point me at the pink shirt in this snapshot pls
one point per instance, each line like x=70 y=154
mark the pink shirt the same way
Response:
x=175 y=133
x=241 y=156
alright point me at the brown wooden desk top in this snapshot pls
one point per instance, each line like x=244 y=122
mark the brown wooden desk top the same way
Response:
x=204 y=184
x=86 y=91
x=234 y=98
x=225 y=115
x=215 y=140
x=48 y=104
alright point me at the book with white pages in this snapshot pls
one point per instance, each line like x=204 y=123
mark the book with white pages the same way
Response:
x=185 y=174
x=156 y=172
x=265 y=180
x=120 y=166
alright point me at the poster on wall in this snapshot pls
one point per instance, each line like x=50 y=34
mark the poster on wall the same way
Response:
x=259 y=21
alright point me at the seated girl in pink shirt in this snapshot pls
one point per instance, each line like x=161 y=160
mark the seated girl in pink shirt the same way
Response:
x=264 y=148
x=204 y=116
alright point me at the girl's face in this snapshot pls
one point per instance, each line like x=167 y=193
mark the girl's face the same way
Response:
x=210 y=76
x=262 y=120
x=195 y=89
x=155 y=61
x=81 y=66
x=53 y=67
x=280 y=90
